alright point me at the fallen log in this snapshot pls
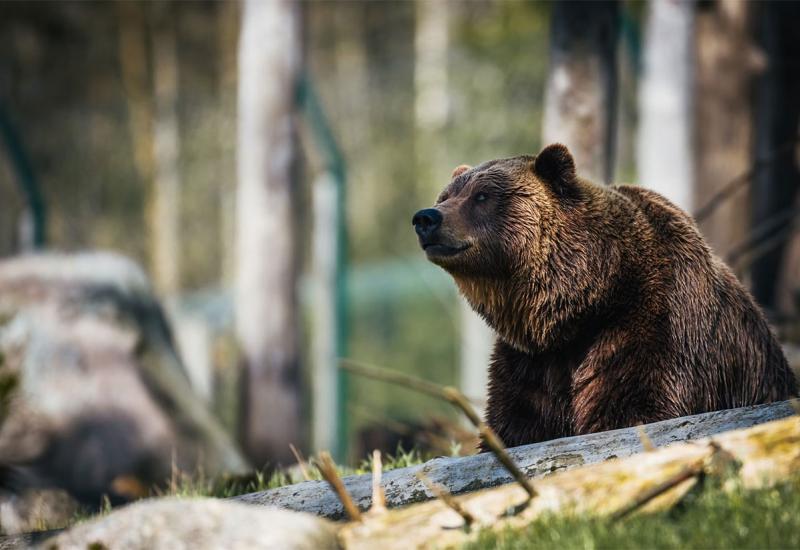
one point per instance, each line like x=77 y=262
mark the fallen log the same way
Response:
x=466 y=474
x=757 y=457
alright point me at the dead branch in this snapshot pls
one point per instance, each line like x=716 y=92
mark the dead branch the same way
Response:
x=456 y=398
x=444 y=495
x=301 y=463
x=327 y=468
x=378 y=497
x=742 y=180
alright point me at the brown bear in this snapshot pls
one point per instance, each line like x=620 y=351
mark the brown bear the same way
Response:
x=610 y=309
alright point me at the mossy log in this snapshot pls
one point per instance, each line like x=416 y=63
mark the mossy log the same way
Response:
x=471 y=473
x=758 y=456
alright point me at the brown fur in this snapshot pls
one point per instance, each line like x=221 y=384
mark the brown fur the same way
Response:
x=610 y=310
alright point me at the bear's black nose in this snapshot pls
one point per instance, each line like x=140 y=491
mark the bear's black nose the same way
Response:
x=427 y=221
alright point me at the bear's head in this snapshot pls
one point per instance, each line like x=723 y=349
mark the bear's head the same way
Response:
x=513 y=234
x=490 y=221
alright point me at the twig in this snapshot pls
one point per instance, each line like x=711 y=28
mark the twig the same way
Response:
x=687 y=472
x=647 y=443
x=445 y=496
x=456 y=398
x=766 y=246
x=327 y=468
x=781 y=220
x=301 y=463
x=743 y=179
x=490 y=439
x=378 y=496
x=394 y=377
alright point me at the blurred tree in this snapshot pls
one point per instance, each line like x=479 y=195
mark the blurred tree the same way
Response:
x=726 y=61
x=227 y=32
x=580 y=97
x=153 y=123
x=776 y=268
x=164 y=205
x=431 y=110
x=266 y=294
x=665 y=115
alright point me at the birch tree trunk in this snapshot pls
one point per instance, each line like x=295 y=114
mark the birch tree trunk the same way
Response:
x=266 y=300
x=580 y=97
x=664 y=141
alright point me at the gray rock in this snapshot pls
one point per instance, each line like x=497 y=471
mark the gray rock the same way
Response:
x=197 y=524
x=103 y=404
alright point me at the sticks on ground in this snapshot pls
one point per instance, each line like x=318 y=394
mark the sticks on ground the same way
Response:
x=327 y=468
x=378 y=496
x=647 y=443
x=444 y=495
x=301 y=463
x=456 y=398
x=685 y=473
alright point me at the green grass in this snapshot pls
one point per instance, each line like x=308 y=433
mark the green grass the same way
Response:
x=708 y=519
x=186 y=485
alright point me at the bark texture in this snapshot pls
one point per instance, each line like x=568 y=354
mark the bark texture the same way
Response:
x=266 y=298
x=581 y=92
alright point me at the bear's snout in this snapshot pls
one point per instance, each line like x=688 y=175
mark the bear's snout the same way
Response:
x=426 y=222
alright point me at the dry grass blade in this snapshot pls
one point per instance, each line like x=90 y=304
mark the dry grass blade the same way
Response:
x=444 y=495
x=301 y=463
x=647 y=443
x=378 y=497
x=327 y=468
x=687 y=472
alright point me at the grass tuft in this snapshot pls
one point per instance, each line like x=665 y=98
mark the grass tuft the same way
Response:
x=715 y=517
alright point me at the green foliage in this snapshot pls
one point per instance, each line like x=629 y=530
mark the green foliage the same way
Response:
x=712 y=518
x=499 y=68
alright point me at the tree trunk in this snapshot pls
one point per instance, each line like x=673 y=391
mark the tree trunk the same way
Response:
x=664 y=148
x=228 y=20
x=266 y=297
x=775 y=273
x=325 y=420
x=725 y=62
x=431 y=112
x=580 y=98
x=166 y=213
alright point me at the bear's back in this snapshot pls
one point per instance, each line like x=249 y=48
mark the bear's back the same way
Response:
x=721 y=337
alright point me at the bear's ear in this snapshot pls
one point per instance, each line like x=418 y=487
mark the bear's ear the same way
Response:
x=460 y=170
x=555 y=166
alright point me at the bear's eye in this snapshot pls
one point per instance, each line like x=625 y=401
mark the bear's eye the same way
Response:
x=480 y=197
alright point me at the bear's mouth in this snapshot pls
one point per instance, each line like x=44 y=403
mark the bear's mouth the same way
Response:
x=443 y=250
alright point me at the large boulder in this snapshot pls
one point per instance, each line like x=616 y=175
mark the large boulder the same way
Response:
x=197 y=524
x=103 y=405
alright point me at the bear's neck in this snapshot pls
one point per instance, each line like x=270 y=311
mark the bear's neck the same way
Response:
x=530 y=315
